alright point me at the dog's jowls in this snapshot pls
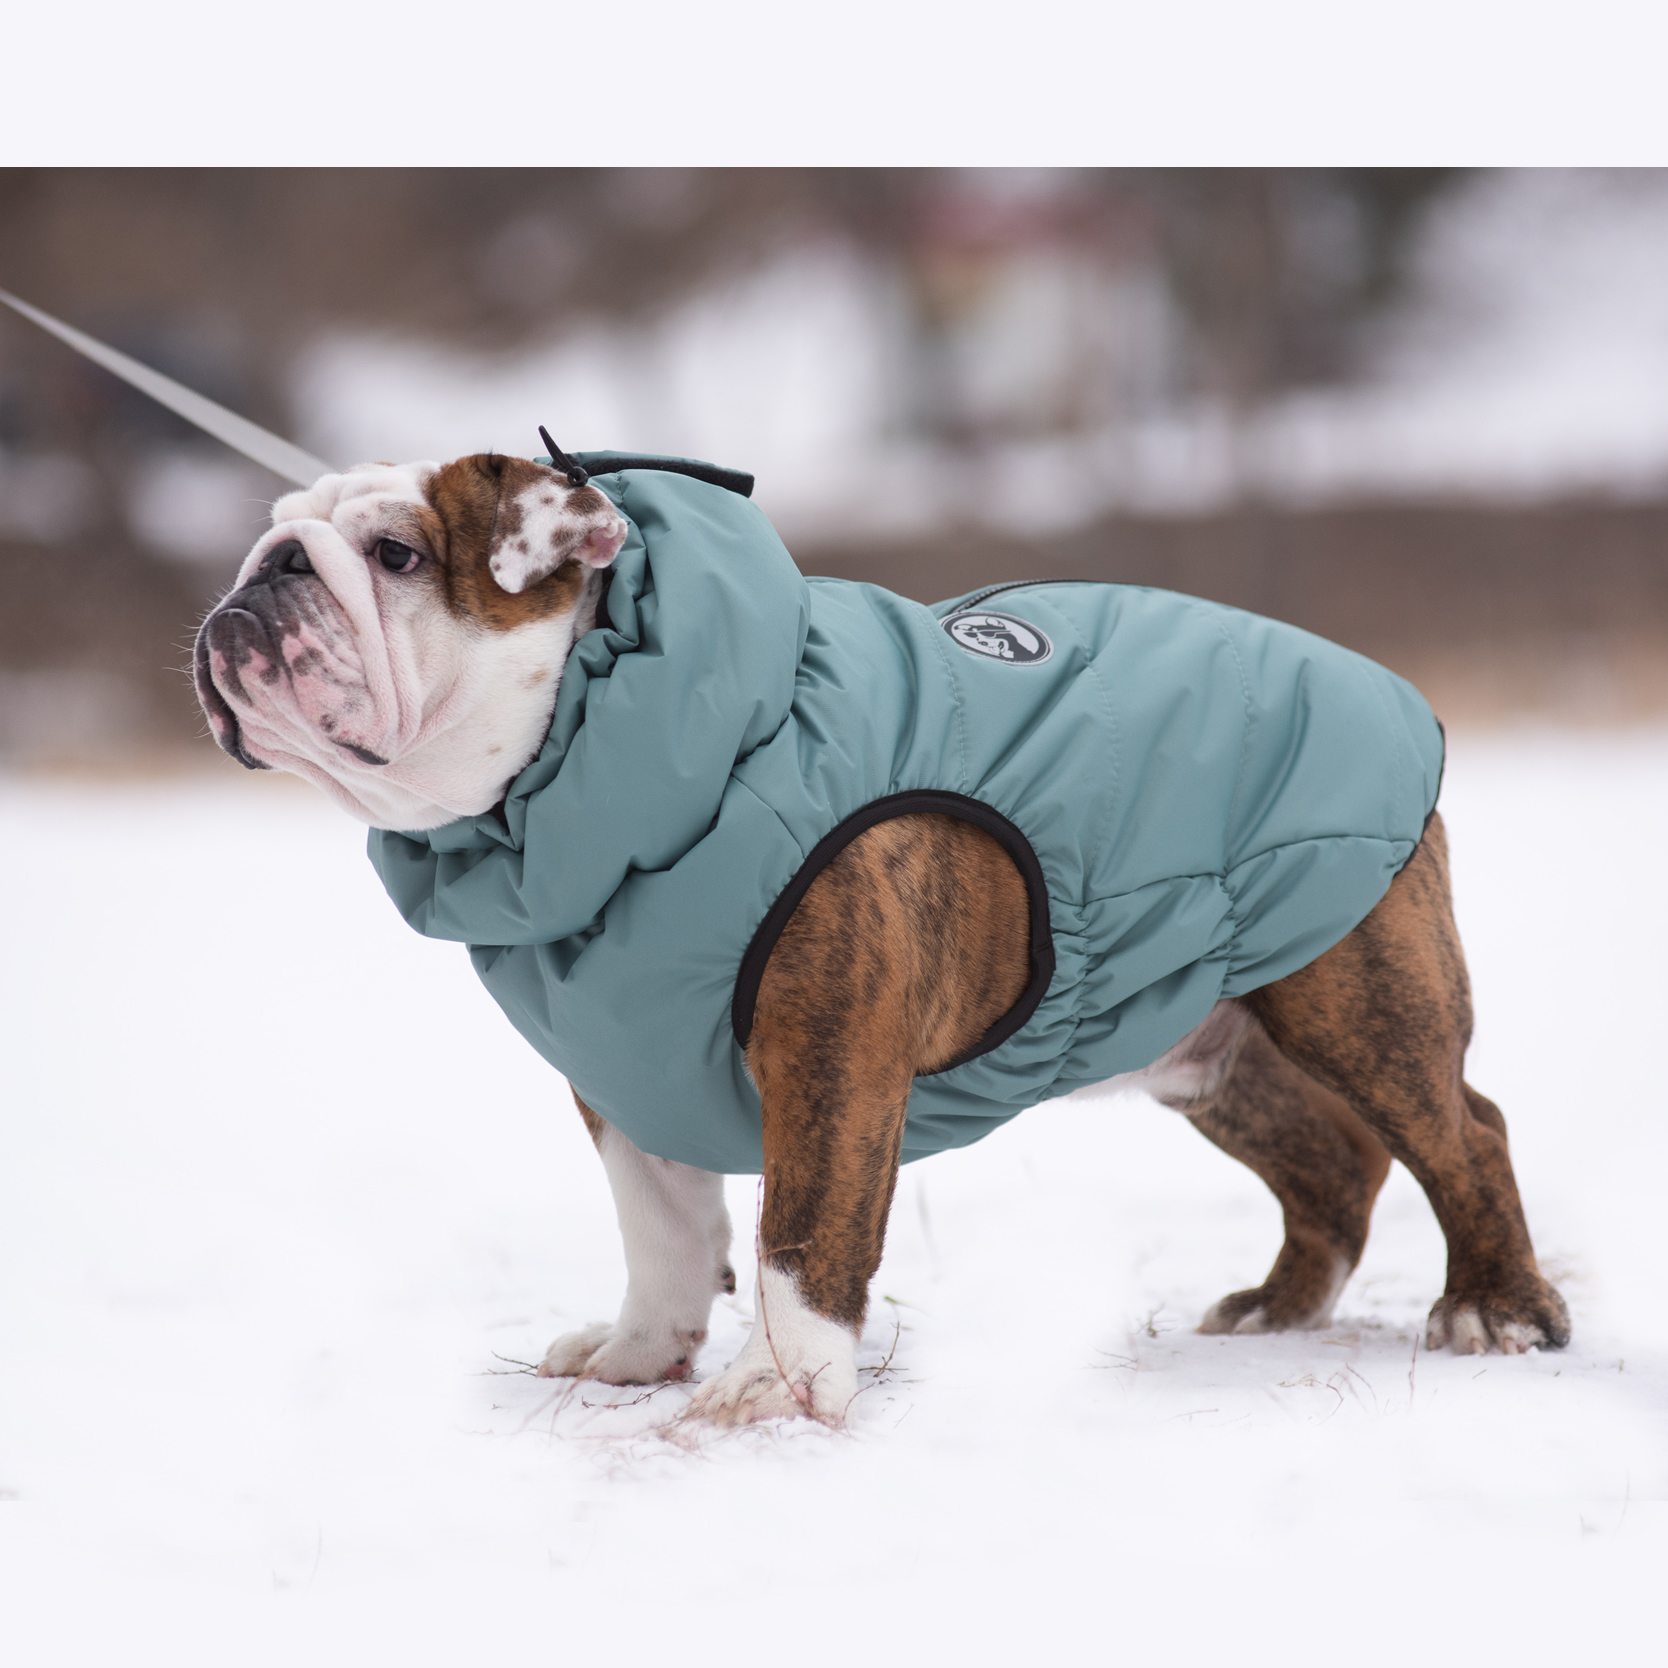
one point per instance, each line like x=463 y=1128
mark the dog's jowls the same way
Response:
x=399 y=637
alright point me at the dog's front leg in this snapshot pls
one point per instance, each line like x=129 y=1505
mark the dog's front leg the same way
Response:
x=677 y=1245
x=901 y=954
x=832 y=1131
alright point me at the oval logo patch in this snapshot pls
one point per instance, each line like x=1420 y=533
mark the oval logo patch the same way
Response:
x=1000 y=637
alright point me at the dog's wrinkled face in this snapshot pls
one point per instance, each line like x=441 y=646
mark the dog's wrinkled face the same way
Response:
x=399 y=635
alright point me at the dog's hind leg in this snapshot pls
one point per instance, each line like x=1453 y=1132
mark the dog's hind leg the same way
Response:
x=1323 y=1165
x=677 y=1243
x=881 y=973
x=1383 y=1019
x=1321 y=1162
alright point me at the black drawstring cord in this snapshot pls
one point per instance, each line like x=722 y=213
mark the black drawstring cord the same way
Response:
x=560 y=459
x=732 y=480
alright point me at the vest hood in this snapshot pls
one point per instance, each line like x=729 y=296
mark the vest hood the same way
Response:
x=692 y=665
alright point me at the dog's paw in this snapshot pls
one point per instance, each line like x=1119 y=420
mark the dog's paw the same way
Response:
x=1238 y=1312
x=1473 y=1324
x=751 y=1391
x=611 y=1356
x=796 y=1363
x=566 y=1358
x=1302 y=1301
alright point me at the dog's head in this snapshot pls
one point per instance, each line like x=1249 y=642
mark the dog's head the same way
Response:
x=399 y=635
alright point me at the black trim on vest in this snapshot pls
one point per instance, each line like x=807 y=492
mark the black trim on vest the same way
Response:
x=732 y=480
x=829 y=847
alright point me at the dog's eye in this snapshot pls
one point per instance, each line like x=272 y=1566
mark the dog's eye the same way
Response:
x=396 y=557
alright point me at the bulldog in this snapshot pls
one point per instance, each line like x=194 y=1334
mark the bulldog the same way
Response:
x=459 y=655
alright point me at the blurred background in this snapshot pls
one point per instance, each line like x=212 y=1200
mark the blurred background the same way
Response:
x=1423 y=412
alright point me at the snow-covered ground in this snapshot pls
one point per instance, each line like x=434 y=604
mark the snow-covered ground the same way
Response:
x=283 y=1201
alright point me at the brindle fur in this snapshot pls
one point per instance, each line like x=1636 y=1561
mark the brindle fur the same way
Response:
x=912 y=942
x=905 y=950
x=1321 y=1162
x=1383 y=1020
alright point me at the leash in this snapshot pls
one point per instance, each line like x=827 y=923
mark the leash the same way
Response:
x=264 y=447
x=287 y=460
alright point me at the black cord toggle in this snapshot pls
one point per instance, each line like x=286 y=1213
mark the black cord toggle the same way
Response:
x=560 y=459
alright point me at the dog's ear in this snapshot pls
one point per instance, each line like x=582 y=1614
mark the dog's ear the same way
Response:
x=543 y=522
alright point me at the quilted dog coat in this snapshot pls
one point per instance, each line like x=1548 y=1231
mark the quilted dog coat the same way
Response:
x=1201 y=802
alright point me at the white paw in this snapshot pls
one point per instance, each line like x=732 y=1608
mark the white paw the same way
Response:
x=1216 y=1319
x=649 y=1355
x=566 y=1357
x=1519 y=1337
x=1461 y=1328
x=1225 y=1314
x=796 y=1363
x=1466 y=1334
x=748 y=1394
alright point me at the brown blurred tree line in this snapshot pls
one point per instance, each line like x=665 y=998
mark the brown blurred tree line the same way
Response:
x=220 y=275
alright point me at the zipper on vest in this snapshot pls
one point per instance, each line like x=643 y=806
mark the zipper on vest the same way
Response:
x=1011 y=585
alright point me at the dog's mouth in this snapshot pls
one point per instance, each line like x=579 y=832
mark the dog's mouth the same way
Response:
x=226 y=625
x=240 y=660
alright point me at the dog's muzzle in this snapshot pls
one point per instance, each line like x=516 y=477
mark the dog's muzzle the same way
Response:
x=245 y=630
x=234 y=633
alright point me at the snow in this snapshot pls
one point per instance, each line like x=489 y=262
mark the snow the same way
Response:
x=283 y=1200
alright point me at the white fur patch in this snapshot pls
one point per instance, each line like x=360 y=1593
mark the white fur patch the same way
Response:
x=1466 y=1333
x=1463 y=1330
x=1190 y=1073
x=677 y=1242
x=569 y=1355
x=1215 y=1319
x=550 y=533
x=795 y=1362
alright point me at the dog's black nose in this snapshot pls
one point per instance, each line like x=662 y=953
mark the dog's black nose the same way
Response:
x=288 y=557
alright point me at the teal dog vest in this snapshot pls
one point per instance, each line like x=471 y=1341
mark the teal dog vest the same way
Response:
x=1201 y=802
